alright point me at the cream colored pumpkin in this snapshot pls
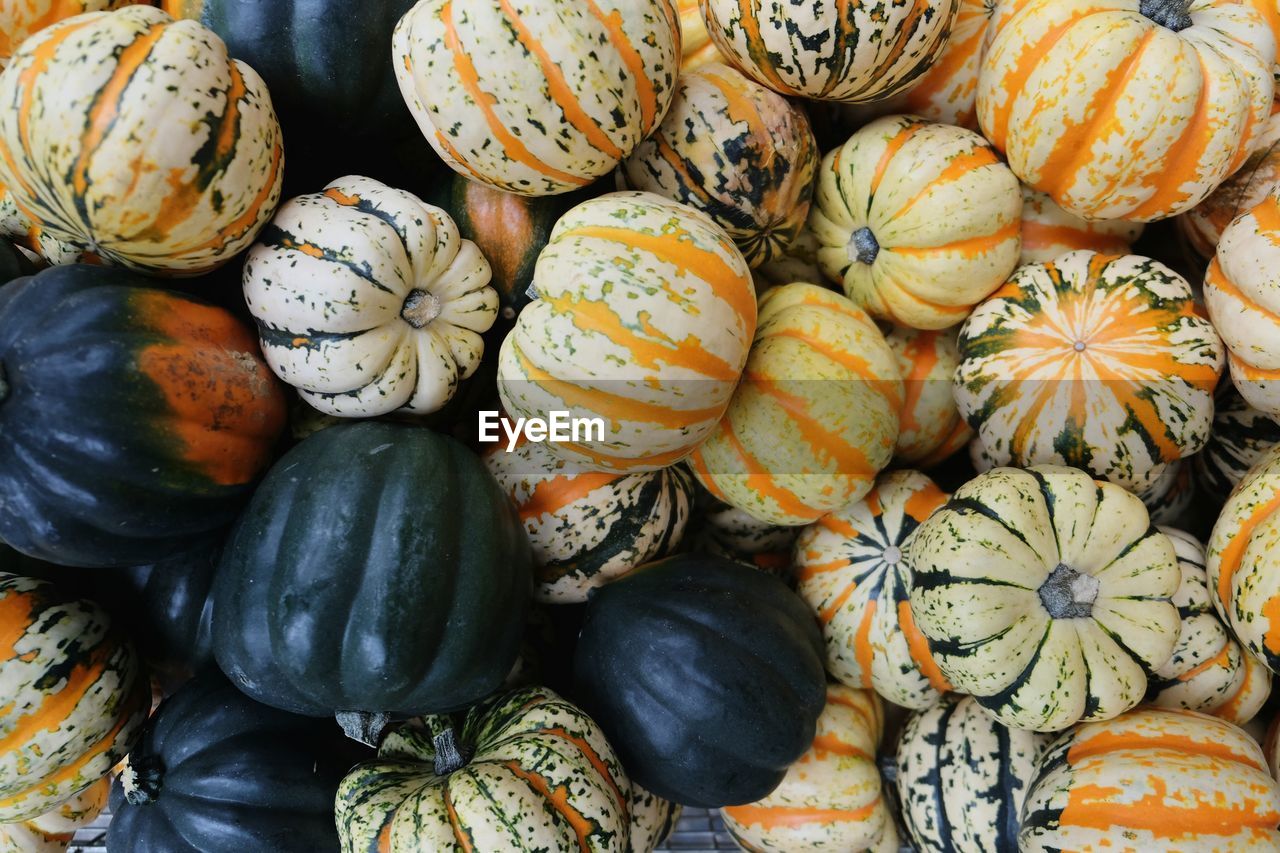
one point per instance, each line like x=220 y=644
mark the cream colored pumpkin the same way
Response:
x=930 y=424
x=1049 y=231
x=53 y=832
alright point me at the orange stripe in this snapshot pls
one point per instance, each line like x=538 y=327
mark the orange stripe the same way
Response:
x=634 y=62
x=1222 y=660
x=748 y=20
x=55 y=708
x=558 y=799
x=828 y=446
x=772 y=817
x=969 y=247
x=551 y=496
x=833 y=744
x=892 y=147
x=1182 y=814
x=836 y=524
x=1185 y=156
x=959 y=167
x=1015 y=80
x=1229 y=561
x=1104 y=742
x=918 y=647
x=460 y=833
x=761 y=481
x=1038 y=235
x=249 y=218
x=811 y=570
x=593 y=758
x=1216 y=278
x=17 y=609
x=863 y=651
x=625 y=464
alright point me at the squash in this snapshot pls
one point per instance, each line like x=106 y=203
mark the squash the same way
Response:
x=852 y=54
x=1240 y=436
x=218 y=773
x=929 y=420
x=135 y=419
x=368 y=300
x=53 y=831
x=1242 y=294
x=19 y=21
x=798 y=262
x=1049 y=231
x=1171 y=494
x=815 y=417
x=1161 y=780
x=1102 y=362
x=830 y=799
x=644 y=314
x=918 y=221
x=721 y=530
x=180 y=160
x=1046 y=595
x=962 y=777
x=538 y=100
x=851 y=570
x=39 y=247
x=587 y=527
x=738 y=152
x=75 y=696
x=652 y=819
x=723 y=643
x=696 y=49
x=1127 y=109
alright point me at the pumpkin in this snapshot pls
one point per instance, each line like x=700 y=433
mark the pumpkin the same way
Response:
x=40 y=247
x=918 y=221
x=1127 y=109
x=216 y=772
x=19 y=21
x=134 y=419
x=815 y=417
x=1046 y=595
x=851 y=570
x=1171 y=494
x=929 y=418
x=368 y=300
x=587 y=527
x=962 y=777
x=852 y=54
x=722 y=642
x=738 y=152
x=798 y=262
x=1159 y=779
x=136 y=138
x=53 y=831
x=644 y=315
x=412 y=602
x=1102 y=362
x=1049 y=231
x=538 y=100
x=830 y=798
x=75 y=696
x=1240 y=436
x=652 y=819
x=722 y=530
x=696 y=49
x=1242 y=294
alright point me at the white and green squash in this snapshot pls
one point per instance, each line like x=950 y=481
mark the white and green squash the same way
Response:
x=1241 y=435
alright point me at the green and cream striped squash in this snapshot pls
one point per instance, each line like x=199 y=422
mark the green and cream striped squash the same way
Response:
x=962 y=777
x=738 y=152
x=33 y=240
x=851 y=570
x=136 y=138
x=1240 y=436
x=368 y=300
x=537 y=98
x=53 y=831
x=644 y=315
x=652 y=819
x=587 y=527
x=1045 y=594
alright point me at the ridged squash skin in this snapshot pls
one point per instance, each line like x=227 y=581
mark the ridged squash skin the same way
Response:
x=1049 y=231
x=21 y=20
x=53 y=831
x=1240 y=437
x=696 y=47
x=930 y=426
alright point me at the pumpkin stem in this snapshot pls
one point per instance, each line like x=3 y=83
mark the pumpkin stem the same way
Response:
x=1068 y=594
x=363 y=726
x=141 y=779
x=1171 y=14
x=449 y=757
x=863 y=246
x=420 y=308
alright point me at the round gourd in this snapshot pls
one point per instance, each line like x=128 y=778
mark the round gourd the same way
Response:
x=1049 y=231
x=644 y=314
x=134 y=419
x=1240 y=436
x=540 y=99
x=815 y=417
x=696 y=48
x=1127 y=109
x=830 y=799
x=851 y=570
x=380 y=569
x=831 y=52
x=1161 y=780
x=1102 y=362
x=368 y=300
x=918 y=221
x=929 y=420
x=1046 y=595
x=962 y=778
x=738 y=152
x=587 y=527
x=723 y=643
x=75 y=693
x=53 y=831
x=136 y=138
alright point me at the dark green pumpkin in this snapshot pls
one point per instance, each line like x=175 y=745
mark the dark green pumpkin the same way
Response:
x=705 y=675
x=378 y=569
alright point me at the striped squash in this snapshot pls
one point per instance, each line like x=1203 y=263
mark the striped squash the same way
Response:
x=852 y=53
x=542 y=98
x=75 y=694
x=53 y=831
x=1049 y=231
x=1209 y=671
x=368 y=300
x=1171 y=494
x=696 y=49
x=644 y=317
x=587 y=527
x=652 y=819
x=831 y=798
x=1271 y=746
x=1241 y=435
x=851 y=570
x=39 y=245
x=962 y=778
x=1046 y=595
x=815 y=417
x=725 y=531
x=738 y=152
x=918 y=221
x=798 y=262
x=1102 y=362
x=1067 y=90
x=929 y=421
x=1242 y=293
x=1153 y=780
x=136 y=138
x=20 y=19
x=525 y=770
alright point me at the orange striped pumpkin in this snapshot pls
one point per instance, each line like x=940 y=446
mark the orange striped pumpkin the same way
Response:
x=930 y=426
x=831 y=798
x=53 y=831
x=1068 y=92
x=1049 y=231
x=20 y=19
x=696 y=48
x=1152 y=780
x=15 y=226
x=815 y=418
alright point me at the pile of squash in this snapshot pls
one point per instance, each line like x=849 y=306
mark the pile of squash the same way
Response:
x=933 y=350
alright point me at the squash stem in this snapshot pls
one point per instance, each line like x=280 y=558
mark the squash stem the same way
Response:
x=1170 y=14
x=420 y=308
x=863 y=246
x=449 y=757
x=363 y=726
